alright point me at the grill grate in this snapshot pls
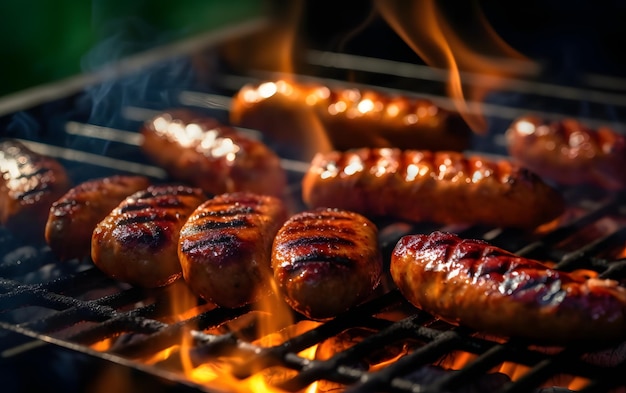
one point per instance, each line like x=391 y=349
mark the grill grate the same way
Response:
x=72 y=305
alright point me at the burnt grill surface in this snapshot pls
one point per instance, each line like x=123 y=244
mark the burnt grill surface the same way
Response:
x=73 y=306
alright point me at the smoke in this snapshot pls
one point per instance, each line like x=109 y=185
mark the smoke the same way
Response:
x=22 y=125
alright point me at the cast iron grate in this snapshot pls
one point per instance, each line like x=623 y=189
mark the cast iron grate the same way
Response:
x=72 y=305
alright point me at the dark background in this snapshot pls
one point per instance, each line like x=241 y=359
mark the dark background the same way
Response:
x=567 y=37
x=45 y=41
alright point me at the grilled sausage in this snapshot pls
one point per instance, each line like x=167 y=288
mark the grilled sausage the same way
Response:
x=292 y=113
x=216 y=158
x=31 y=182
x=137 y=242
x=568 y=152
x=225 y=247
x=442 y=187
x=471 y=283
x=326 y=261
x=74 y=216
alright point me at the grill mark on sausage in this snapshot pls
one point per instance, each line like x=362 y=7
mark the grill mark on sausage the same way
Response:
x=331 y=241
x=301 y=261
x=38 y=171
x=154 y=237
x=238 y=223
x=227 y=211
x=332 y=230
x=321 y=215
x=144 y=217
x=153 y=204
x=221 y=241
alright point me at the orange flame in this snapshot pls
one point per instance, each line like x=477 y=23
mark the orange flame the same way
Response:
x=423 y=26
x=514 y=371
x=276 y=324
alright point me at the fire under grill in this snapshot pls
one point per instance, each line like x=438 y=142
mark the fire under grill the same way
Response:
x=383 y=345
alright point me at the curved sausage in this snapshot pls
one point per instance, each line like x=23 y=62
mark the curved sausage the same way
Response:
x=30 y=184
x=74 y=216
x=216 y=158
x=568 y=152
x=472 y=283
x=293 y=112
x=326 y=261
x=225 y=247
x=442 y=187
x=137 y=242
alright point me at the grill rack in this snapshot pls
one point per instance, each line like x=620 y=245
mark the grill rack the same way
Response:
x=74 y=318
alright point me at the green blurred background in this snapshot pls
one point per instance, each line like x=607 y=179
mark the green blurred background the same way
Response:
x=45 y=40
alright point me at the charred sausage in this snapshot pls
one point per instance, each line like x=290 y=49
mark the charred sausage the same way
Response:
x=137 y=242
x=326 y=261
x=225 y=247
x=216 y=158
x=472 y=283
x=568 y=152
x=74 y=216
x=31 y=182
x=442 y=187
x=293 y=113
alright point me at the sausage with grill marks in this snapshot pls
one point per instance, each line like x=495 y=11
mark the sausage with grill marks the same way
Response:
x=441 y=187
x=74 y=216
x=326 y=261
x=349 y=117
x=472 y=283
x=568 y=152
x=137 y=242
x=225 y=247
x=200 y=151
x=31 y=182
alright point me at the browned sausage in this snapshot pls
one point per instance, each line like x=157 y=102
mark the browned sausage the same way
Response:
x=31 y=182
x=568 y=152
x=472 y=283
x=74 y=216
x=137 y=242
x=198 y=150
x=292 y=113
x=442 y=187
x=326 y=261
x=226 y=244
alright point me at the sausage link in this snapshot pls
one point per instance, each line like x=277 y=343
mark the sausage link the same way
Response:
x=293 y=113
x=31 y=182
x=569 y=152
x=198 y=150
x=225 y=247
x=472 y=283
x=326 y=261
x=74 y=216
x=441 y=187
x=138 y=241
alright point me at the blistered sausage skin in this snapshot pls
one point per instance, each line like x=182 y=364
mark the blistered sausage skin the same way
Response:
x=198 y=150
x=293 y=112
x=137 y=242
x=74 y=216
x=30 y=183
x=472 y=283
x=225 y=247
x=441 y=187
x=568 y=152
x=326 y=261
